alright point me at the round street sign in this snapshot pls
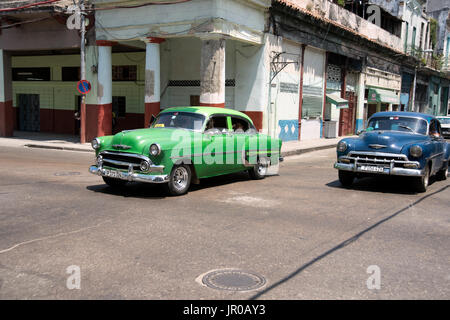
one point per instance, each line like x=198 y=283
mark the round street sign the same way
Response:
x=83 y=86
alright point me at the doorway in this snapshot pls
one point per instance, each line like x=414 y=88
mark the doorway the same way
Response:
x=29 y=112
x=347 y=116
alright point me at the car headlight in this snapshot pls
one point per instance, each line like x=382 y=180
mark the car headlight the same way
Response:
x=415 y=151
x=342 y=146
x=95 y=143
x=155 y=149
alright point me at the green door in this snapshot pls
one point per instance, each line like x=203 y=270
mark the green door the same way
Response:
x=245 y=139
x=213 y=147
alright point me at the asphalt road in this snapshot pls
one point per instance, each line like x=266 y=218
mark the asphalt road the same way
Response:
x=305 y=234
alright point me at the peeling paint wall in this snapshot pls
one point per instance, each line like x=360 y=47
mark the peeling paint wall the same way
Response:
x=238 y=19
x=329 y=10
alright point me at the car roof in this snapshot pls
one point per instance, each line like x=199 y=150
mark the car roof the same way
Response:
x=208 y=111
x=427 y=117
x=443 y=117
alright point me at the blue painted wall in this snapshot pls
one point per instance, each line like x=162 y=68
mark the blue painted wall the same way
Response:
x=288 y=130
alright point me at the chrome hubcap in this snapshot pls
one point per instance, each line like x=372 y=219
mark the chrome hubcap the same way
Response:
x=262 y=167
x=425 y=179
x=180 y=178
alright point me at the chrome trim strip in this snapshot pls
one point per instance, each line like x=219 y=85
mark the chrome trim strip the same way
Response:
x=228 y=152
x=388 y=171
x=131 y=176
x=377 y=154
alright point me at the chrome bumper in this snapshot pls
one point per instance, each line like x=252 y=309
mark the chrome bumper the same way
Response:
x=386 y=171
x=129 y=175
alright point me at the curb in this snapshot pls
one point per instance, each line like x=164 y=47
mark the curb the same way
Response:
x=305 y=150
x=56 y=148
x=283 y=154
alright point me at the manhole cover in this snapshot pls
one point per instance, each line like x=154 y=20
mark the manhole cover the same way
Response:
x=234 y=280
x=67 y=173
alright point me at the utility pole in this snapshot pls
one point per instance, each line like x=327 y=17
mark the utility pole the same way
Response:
x=413 y=98
x=83 y=73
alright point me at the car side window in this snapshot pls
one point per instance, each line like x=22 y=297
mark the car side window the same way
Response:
x=239 y=125
x=217 y=122
x=434 y=129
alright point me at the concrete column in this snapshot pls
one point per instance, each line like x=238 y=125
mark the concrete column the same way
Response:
x=212 y=73
x=99 y=114
x=6 y=107
x=360 y=103
x=152 y=78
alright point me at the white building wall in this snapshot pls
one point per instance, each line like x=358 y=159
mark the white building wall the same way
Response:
x=180 y=61
x=414 y=19
x=243 y=20
x=313 y=89
x=285 y=91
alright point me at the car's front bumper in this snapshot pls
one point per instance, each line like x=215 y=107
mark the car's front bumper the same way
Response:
x=129 y=175
x=391 y=170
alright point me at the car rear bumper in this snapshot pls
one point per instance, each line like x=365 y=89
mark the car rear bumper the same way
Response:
x=129 y=175
x=386 y=170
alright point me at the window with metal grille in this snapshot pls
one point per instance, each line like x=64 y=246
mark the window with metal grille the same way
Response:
x=70 y=73
x=124 y=73
x=31 y=74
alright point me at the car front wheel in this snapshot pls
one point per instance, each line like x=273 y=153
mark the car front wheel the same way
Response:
x=259 y=170
x=346 y=178
x=421 y=184
x=180 y=180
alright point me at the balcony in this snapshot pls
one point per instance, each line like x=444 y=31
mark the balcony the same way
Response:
x=347 y=20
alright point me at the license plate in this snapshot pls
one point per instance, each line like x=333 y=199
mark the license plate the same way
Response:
x=112 y=173
x=371 y=168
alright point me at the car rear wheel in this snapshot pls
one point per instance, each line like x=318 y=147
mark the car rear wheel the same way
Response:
x=442 y=174
x=114 y=183
x=259 y=171
x=346 y=178
x=180 y=180
x=421 y=183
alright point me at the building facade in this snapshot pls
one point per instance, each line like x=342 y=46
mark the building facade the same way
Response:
x=301 y=69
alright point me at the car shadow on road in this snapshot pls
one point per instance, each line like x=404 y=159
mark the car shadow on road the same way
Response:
x=157 y=191
x=398 y=185
x=131 y=190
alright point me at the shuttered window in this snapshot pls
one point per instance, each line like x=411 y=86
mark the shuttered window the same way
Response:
x=313 y=92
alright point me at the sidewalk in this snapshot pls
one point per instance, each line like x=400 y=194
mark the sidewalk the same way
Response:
x=71 y=143
x=45 y=141
x=290 y=148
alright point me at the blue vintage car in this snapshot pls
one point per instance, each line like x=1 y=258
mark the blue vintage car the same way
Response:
x=395 y=143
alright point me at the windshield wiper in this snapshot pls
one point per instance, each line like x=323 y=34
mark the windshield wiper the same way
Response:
x=406 y=127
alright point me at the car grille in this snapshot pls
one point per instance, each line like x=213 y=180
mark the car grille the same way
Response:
x=122 y=160
x=377 y=158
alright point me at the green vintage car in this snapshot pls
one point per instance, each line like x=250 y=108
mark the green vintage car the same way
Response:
x=182 y=146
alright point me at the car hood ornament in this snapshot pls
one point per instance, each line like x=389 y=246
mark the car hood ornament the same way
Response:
x=121 y=146
x=377 y=146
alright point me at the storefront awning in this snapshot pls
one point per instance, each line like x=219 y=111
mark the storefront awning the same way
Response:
x=382 y=95
x=335 y=99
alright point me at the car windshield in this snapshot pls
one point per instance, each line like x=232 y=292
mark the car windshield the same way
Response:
x=398 y=123
x=181 y=120
x=444 y=120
